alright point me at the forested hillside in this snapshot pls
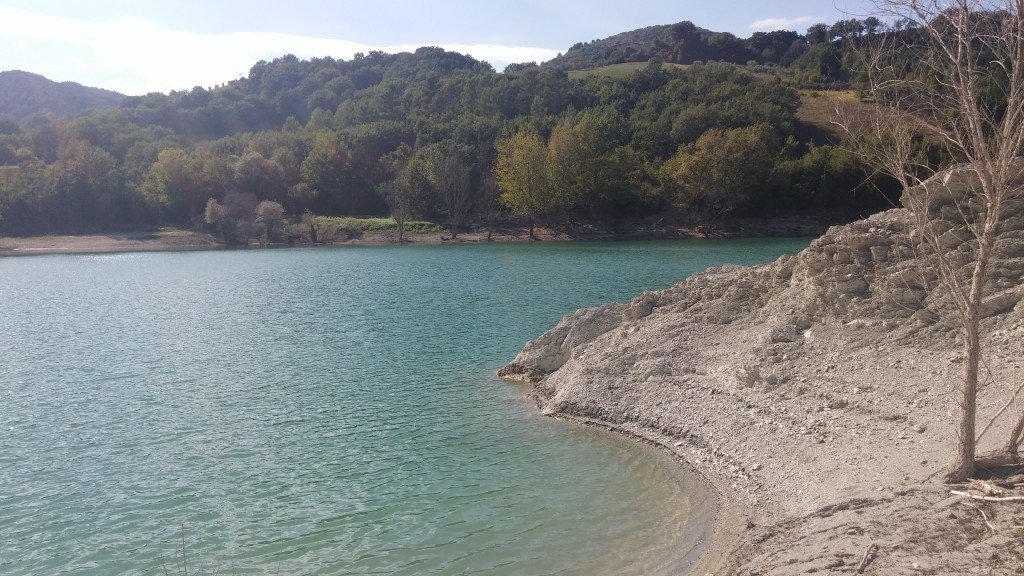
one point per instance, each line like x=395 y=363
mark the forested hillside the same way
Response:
x=23 y=94
x=821 y=58
x=436 y=135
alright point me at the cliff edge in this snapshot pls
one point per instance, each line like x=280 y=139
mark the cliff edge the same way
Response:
x=816 y=393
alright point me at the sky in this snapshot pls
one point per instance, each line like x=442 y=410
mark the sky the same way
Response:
x=140 y=46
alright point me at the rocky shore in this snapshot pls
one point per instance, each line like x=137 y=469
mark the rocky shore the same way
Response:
x=817 y=396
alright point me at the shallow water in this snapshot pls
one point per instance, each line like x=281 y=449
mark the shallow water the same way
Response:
x=322 y=411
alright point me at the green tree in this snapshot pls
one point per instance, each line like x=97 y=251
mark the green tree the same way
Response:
x=183 y=182
x=86 y=187
x=593 y=171
x=256 y=174
x=720 y=171
x=326 y=172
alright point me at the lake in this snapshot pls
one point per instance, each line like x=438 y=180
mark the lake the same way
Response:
x=323 y=411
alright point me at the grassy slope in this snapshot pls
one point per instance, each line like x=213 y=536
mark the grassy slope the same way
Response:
x=619 y=71
x=817 y=108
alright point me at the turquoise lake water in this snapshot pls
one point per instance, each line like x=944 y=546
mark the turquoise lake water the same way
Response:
x=322 y=411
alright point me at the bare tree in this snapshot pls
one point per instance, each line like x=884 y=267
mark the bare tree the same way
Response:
x=235 y=218
x=488 y=204
x=448 y=174
x=952 y=79
x=399 y=194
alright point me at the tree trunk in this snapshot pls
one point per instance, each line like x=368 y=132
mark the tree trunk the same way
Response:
x=963 y=463
x=454 y=230
x=1013 y=445
x=532 y=237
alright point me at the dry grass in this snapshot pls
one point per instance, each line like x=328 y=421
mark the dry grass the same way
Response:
x=817 y=109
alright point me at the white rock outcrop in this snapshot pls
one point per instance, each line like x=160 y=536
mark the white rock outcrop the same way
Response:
x=822 y=368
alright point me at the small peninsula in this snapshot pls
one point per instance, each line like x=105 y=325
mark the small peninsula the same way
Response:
x=814 y=394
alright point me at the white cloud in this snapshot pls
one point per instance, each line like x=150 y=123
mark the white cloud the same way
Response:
x=770 y=24
x=135 y=56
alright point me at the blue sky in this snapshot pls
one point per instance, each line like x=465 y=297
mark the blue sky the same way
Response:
x=143 y=45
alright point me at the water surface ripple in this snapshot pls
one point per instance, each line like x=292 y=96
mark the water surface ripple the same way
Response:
x=328 y=411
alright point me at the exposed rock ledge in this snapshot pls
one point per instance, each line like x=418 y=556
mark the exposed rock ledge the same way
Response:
x=813 y=392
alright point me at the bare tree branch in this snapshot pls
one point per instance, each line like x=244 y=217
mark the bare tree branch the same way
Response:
x=953 y=79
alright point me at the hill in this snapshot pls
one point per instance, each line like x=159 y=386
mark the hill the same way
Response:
x=819 y=58
x=336 y=137
x=23 y=94
x=633 y=46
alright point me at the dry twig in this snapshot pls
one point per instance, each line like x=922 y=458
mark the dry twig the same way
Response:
x=985 y=516
x=1005 y=407
x=987 y=487
x=869 y=555
x=988 y=498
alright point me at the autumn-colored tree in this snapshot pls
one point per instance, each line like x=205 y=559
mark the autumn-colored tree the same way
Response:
x=523 y=172
x=182 y=182
x=270 y=219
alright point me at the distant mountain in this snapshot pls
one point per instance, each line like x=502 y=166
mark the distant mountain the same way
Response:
x=686 y=43
x=23 y=94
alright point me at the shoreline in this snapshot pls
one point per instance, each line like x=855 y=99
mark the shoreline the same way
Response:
x=708 y=551
x=173 y=240
x=815 y=406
